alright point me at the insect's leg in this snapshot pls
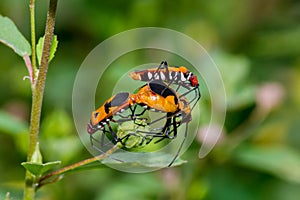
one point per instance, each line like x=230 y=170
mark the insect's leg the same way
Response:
x=99 y=142
x=99 y=149
x=133 y=110
x=148 y=137
x=153 y=122
x=140 y=114
x=166 y=128
x=197 y=96
x=156 y=72
x=189 y=91
x=94 y=139
x=102 y=139
x=169 y=79
x=123 y=116
x=134 y=115
x=174 y=124
x=112 y=133
x=178 y=87
x=148 y=140
x=181 y=145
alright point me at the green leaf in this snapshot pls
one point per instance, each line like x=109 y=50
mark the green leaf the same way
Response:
x=235 y=71
x=11 y=36
x=146 y=186
x=39 y=48
x=135 y=142
x=10 y=124
x=282 y=161
x=38 y=169
x=149 y=160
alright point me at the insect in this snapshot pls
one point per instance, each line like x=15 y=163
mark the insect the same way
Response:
x=158 y=96
x=179 y=75
x=104 y=114
x=155 y=96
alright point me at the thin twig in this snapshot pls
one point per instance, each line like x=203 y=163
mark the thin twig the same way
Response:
x=80 y=164
x=33 y=42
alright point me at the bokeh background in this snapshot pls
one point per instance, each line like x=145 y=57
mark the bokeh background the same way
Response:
x=254 y=43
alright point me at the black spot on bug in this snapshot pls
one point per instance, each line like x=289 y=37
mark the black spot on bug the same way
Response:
x=163 y=90
x=144 y=77
x=96 y=114
x=106 y=107
x=119 y=99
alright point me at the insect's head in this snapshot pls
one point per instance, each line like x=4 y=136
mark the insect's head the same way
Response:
x=93 y=125
x=193 y=80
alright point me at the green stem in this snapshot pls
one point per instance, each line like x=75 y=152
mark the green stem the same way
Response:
x=37 y=98
x=79 y=164
x=33 y=42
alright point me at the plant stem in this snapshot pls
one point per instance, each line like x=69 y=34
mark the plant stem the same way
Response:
x=33 y=43
x=29 y=68
x=79 y=164
x=37 y=98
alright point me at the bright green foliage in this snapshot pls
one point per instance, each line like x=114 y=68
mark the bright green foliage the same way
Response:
x=11 y=36
x=281 y=161
x=234 y=70
x=149 y=160
x=39 y=48
x=38 y=169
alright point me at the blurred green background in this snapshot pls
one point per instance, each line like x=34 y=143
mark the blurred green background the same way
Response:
x=256 y=47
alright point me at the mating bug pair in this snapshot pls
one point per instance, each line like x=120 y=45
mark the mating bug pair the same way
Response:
x=157 y=95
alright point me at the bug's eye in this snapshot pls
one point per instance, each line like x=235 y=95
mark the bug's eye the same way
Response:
x=96 y=114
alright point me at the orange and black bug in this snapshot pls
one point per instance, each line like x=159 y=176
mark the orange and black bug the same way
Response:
x=104 y=114
x=155 y=96
x=158 y=96
x=176 y=74
x=179 y=75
